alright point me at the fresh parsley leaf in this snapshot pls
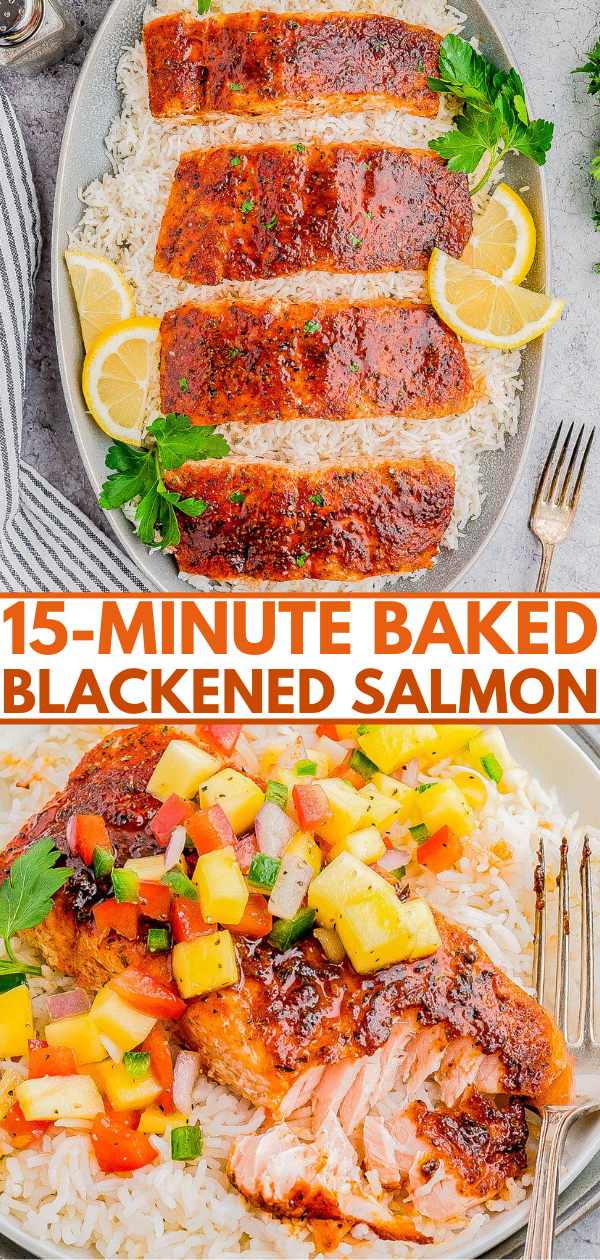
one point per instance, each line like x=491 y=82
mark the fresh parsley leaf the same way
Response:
x=236 y=161
x=203 y=6
x=494 y=116
x=301 y=560
x=183 y=385
x=312 y=326
x=233 y=353
x=301 y=148
x=317 y=499
x=237 y=497
x=139 y=474
x=355 y=241
x=272 y=223
x=592 y=67
x=236 y=87
x=354 y=367
x=367 y=166
x=420 y=65
x=597 y=268
x=369 y=214
x=26 y=895
x=596 y=218
x=380 y=44
x=247 y=206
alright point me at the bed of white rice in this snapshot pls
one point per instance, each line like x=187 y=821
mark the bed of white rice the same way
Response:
x=122 y=218
x=173 y=1210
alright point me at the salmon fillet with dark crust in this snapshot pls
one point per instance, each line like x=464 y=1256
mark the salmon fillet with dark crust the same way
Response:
x=251 y=213
x=276 y=522
x=262 y=63
x=265 y=361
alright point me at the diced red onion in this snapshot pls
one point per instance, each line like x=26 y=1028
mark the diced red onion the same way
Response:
x=296 y=751
x=290 y=887
x=187 y=1066
x=347 y=744
x=332 y=748
x=409 y=774
x=61 y=1005
x=273 y=829
x=175 y=847
x=72 y=834
x=112 y=1049
x=393 y=858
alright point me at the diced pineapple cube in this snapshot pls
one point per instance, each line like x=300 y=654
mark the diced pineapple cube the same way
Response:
x=221 y=886
x=59 y=1098
x=79 y=1034
x=491 y=743
x=153 y=1120
x=346 y=732
x=343 y=880
x=449 y=740
x=443 y=804
x=122 y=1091
x=150 y=869
x=273 y=751
x=304 y=845
x=16 y=1021
x=347 y=808
x=404 y=798
x=472 y=787
x=181 y=769
x=117 y=1019
x=239 y=798
x=205 y=964
x=380 y=810
x=8 y=1083
x=380 y=931
x=270 y=755
x=366 y=845
x=393 y=746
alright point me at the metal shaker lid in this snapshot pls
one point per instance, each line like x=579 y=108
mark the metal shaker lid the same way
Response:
x=19 y=19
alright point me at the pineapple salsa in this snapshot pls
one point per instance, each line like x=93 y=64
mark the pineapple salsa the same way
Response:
x=325 y=839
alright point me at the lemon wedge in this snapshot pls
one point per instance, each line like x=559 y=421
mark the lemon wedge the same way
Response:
x=486 y=309
x=102 y=294
x=503 y=238
x=116 y=376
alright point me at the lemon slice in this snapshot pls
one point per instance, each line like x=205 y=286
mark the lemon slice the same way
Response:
x=116 y=376
x=102 y=294
x=503 y=238
x=487 y=309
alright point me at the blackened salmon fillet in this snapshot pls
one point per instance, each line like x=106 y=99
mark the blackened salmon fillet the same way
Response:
x=269 y=521
x=267 y=361
x=254 y=212
x=262 y=63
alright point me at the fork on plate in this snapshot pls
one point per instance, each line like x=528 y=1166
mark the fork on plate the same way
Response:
x=556 y=1121
x=554 y=504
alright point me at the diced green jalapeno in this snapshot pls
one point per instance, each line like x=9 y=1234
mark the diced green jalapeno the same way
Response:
x=277 y=793
x=420 y=833
x=263 y=872
x=399 y=872
x=306 y=767
x=186 y=1142
x=126 y=885
x=137 y=1064
x=285 y=932
x=12 y=981
x=422 y=787
x=180 y=884
x=362 y=764
x=492 y=767
x=103 y=861
x=158 y=940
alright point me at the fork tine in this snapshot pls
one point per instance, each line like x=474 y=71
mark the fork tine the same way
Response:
x=543 y=481
x=586 y=1011
x=577 y=487
x=564 y=490
x=539 y=939
x=559 y=464
x=562 y=961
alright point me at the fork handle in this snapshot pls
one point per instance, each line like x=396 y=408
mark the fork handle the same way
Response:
x=539 y=1244
x=544 y=573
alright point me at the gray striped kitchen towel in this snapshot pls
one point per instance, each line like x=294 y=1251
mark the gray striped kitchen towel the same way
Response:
x=46 y=544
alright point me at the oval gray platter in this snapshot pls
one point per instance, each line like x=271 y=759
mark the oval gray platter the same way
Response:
x=95 y=102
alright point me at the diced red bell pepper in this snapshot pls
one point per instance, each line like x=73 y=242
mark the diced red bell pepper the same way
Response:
x=118 y=1148
x=161 y=1066
x=220 y=736
x=122 y=916
x=210 y=829
x=155 y=900
x=187 y=921
x=256 y=920
x=387 y=842
x=20 y=1131
x=440 y=851
x=51 y=1061
x=349 y=775
x=147 y=994
x=329 y=731
x=129 y=1119
x=312 y=806
x=245 y=848
x=170 y=815
x=86 y=832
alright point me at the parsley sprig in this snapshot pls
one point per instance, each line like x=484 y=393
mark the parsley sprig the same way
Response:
x=26 y=897
x=494 y=117
x=592 y=67
x=140 y=472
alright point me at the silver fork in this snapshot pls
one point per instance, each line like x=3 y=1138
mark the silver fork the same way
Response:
x=554 y=507
x=556 y=1121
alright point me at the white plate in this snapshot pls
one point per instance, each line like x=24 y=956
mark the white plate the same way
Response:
x=552 y=756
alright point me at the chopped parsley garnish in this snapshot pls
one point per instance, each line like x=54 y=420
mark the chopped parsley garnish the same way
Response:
x=203 y=6
x=183 y=385
x=300 y=147
x=301 y=560
x=236 y=161
x=237 y=497
x=494 y=117
x=312 y=326
x=369 y=214
x=26 y=897
x=354 y=367
x=420 y=65
x=292 y=25
x=140 y=473
x=317 y=499
x=236 y=87
x=247 y=206
x=592 y=67
x=233 y=353
x=380 y=44
x=367 y=166
x=272 y=222
x=354 y=240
